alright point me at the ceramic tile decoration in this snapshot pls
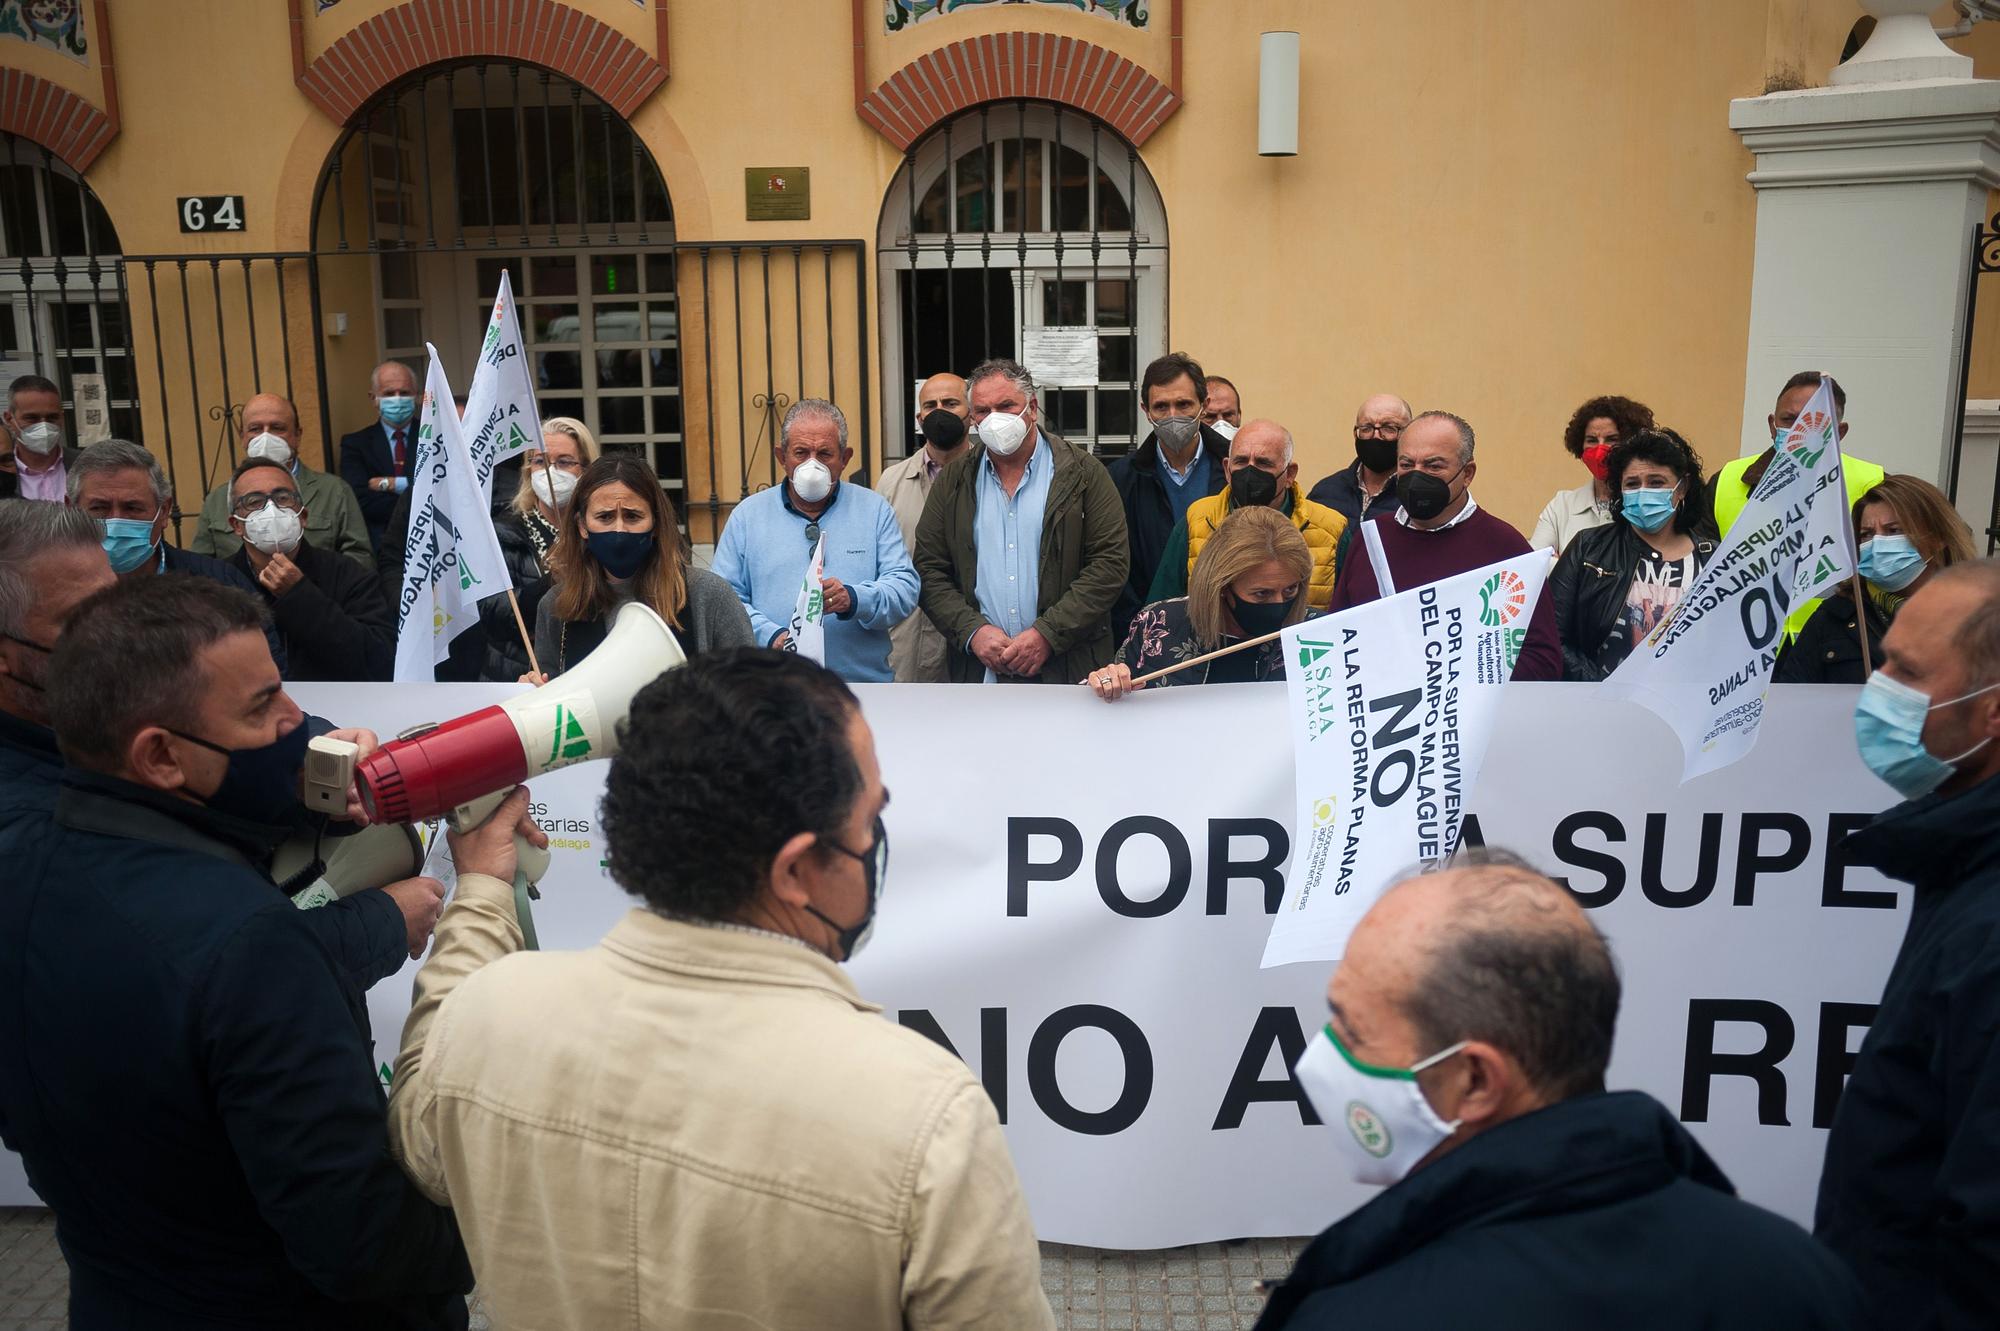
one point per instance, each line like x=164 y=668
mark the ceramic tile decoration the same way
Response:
x=900 y=14
x=55 y=25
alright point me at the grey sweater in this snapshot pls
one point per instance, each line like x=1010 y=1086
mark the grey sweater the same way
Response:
x=712 y=619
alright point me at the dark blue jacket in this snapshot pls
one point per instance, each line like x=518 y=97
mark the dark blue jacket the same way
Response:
x=187 y=1074
x=1911 y=1190
x=1600 y=1211
x=1154 y=506
x=365 y=454
x=178 y=560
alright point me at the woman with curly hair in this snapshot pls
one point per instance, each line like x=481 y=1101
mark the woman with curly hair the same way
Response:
x=1594 y=429
x=1250 y=580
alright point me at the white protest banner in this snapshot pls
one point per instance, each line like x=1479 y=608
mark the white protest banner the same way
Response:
x=1391 y=705
x=500 y=414
x=452 y=559
x=808 y=626
x=1089 y=943
x=1705 y=669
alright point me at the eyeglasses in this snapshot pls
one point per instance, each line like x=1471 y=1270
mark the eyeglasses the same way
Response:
x=574 y=466
x=252 y=501
x=1378 y=432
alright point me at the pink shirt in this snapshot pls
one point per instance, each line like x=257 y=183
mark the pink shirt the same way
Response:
x=51 y=486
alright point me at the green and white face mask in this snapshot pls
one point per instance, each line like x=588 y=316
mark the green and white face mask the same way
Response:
x=1379 y=1115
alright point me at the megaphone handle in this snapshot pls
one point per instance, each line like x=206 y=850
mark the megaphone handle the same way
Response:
x=526 y=856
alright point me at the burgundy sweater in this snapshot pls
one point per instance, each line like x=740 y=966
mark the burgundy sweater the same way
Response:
x=1419 y=557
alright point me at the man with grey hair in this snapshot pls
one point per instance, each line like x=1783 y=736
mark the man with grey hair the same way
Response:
x=1463 y=1065
x=121 y=485
x=271 y=431
x=1911 y=1190
x=1261 y=473
x=1022 y=547
x=50 y=562
x=766 y=549
x=375 y=459
x=1368 y=488
x=34 y=458
x=1438 y=531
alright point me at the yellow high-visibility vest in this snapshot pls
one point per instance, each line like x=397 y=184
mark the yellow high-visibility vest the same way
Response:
x=1732 y=494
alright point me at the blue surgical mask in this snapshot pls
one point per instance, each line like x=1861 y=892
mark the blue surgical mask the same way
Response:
x=622 y=553
x=397 y=410
x=1890 y=562
x=260 y=784
x=1889 y=730
x=1648 y=510
x=127 y=541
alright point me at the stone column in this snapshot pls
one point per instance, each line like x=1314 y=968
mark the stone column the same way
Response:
x=1867 y=194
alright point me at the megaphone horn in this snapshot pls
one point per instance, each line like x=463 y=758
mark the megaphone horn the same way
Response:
x=572 y=718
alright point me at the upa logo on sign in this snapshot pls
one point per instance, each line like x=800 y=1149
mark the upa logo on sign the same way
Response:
x=1502 y=599
x=1808 y=439
x=1368 y=1129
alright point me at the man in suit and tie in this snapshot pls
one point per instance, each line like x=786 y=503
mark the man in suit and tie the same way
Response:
x=376 y=459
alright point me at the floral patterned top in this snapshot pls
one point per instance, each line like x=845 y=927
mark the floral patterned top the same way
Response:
x=1162 y=636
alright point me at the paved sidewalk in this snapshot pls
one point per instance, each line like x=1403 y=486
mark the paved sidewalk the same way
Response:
x=1206 y=1287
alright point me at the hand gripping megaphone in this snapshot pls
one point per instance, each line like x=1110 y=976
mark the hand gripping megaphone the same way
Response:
x=463 y=768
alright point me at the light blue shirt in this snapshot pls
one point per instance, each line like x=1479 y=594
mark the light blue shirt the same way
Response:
x=762 y=554
x=1007 y=534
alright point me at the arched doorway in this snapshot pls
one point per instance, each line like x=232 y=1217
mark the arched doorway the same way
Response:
x=459 y=171
x=62 y=299
x=1015 y=216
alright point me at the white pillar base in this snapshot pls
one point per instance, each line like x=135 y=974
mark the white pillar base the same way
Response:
x=1866 y=199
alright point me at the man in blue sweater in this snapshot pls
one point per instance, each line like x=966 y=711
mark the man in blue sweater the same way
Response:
x=868 y=581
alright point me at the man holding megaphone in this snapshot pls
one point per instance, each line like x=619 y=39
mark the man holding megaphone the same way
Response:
x=185 y=1062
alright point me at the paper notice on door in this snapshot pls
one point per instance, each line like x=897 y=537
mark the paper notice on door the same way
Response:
x=1061 y=357
x=93 y=409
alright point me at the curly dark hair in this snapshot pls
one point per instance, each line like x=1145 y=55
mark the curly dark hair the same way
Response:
x=1664 y=448
x=1630 y=417
x=720 y=762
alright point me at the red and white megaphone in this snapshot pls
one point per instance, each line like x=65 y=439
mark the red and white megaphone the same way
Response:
x=462 y=769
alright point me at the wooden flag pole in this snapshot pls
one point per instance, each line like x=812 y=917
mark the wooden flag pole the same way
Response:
x=527 y=639
x=1861 y=625
x=1209 y=656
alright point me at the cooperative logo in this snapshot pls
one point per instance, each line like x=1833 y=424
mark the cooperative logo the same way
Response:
x=572 y=742
x=1369 y=1130
x=1808 y=439
x=1325 y=809
x=1502 y=599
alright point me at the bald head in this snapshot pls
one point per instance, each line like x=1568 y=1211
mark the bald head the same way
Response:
x=941 y=390
x=268 y=413
x=1383 y=409
x=1497 y=953
x=1263 y=438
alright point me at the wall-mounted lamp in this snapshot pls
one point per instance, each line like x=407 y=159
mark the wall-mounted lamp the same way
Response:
x=1278 y=94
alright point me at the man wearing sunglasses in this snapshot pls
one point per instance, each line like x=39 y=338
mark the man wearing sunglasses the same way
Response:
x=327 y=609
x=712 y=1126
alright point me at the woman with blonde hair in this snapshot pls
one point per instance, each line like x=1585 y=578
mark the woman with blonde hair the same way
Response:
x=1250 y=580
x=527 y=532
x=618 y=542
x=1905 y=530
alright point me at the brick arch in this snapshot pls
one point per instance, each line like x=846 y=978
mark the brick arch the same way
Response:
x=54 y=117
x=1006 y=65
x=410 y=36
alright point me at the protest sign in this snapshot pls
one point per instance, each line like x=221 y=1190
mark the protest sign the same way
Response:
x=1705 y=669
x=1391 y=706
x=500 y=414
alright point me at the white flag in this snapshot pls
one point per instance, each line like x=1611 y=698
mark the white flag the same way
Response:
x=1705 y=669
x=808 y=627
x=452 y=559
x=1392 y=704
x=500 y=413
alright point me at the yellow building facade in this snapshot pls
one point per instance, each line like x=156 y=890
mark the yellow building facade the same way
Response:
x=709 y=210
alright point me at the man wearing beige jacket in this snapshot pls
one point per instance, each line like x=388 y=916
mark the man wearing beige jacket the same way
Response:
x=699 y=1122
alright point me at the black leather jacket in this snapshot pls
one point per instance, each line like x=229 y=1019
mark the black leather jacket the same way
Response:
x=1590 y=584
x=506 y=658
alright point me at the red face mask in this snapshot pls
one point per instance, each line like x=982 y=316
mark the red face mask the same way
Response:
x=1595 y=457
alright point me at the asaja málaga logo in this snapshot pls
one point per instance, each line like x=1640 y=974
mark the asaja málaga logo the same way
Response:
x=1502 y=599
x=572 y=741
x=1808 y=439
x=1368 y=1129
x=1311 y=650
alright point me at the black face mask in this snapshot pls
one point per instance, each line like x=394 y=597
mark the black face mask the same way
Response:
x=1256 y=618
x=622 y=553
x=31 y=646
x=874 y=868
x=260 y=784
x=1252 y=487
x=1424 y=495
x=944 y=430
x=1377 y=455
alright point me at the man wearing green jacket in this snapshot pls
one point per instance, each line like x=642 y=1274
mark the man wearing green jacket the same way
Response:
x=333 y=521
x=1022 y=548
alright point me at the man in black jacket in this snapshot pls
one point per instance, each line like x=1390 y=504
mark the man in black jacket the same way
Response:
x=184 y=1066
x=1911 y=1190
x=1463 y=1065
x=1181 y=461
x=327 y=608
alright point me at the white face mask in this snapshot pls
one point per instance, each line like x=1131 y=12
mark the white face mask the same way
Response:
x=270 y=448
x=273 y=530
x=811 y=481
x=1002 y=433
x=1378 y=1115
x=41 y=438
x=553 y=486
x=1225 y=429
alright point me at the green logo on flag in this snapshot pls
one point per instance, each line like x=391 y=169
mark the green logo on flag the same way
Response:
x=465 y=578
x=1311 y=650
x=385 y=1073
x=1502 y=598
x=1824 y=571
x=815 y=603
x=572 y=742
x=516 y=437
